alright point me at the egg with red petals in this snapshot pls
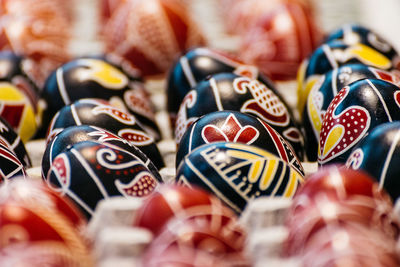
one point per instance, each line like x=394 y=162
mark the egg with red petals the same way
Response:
x=233 y=126
x=229 y=91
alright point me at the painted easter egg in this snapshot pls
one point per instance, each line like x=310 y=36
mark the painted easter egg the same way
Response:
x=234 y=126
x=150 y=34
x=333 y=55
x=88 y=172
x=323 y=92
x=10 y=165
x=95 y=78
x=353 y=33
x=280 y=40
x=229 y=91
x=353 y=113
x=238 y=173
x=378 y=154
x=74 y=134
x=196 y=65
x=99 y=113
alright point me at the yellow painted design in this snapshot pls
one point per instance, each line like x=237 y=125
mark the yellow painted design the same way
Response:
x=292 y=185
x=255 y=171
x=103 y=73
x=301 y=73
x=303 y=95
x=11 y=95
x=269 y=175
x=246 y=155
x=370 y=56
x=314 y=114
x=334 y=137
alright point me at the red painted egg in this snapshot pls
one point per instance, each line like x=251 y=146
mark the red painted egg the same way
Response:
x=349 y=245
x=29 y=192
x=24 y=224
x=337 y=196
x=170 y=201
x=150 y=34
x=40 y=30
x=281 y=40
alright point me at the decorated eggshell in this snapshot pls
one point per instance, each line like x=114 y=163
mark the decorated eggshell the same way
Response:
x=33 y=192
x=353 y=113
x=88 y=172
x=35 y=255
x=233 y=126
x=196 y=65
x=11 y=139
x=43 y=35
x=96 y=78
x=75 y=134
x=10 y=165
x=19 y=109
x=238 y=173
x=175 y=256
x=99 y=113
x=349 y=245
x=325 y=90
x=170 y=200
x=355 y=33
x=216 y=231
x=18 y=70
x=150 y=34
x=379 y=155
x=336 y=196
x=280 y=40
x=32 y=224
x=333 y=55
x=228 y=91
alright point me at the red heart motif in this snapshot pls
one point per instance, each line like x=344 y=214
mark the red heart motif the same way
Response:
x=61 y=169
x=341 y=132
x=397 y=98
x=231 y=131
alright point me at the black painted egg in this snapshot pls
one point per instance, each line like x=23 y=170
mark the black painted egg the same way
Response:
x=234 y=126
x=354 y=33
x=99 y=113
x=10 y=165
x=379 y=155
x=11 y=139
x=95 y=78
x=195 y=66
x=75 y=134
x=229 y=91
x=333 y=55
x=353 y=113
x=88 y=172
x=238 y=173
x=325 y=90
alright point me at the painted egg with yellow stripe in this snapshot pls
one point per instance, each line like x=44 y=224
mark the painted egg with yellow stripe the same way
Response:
x=92 y=77
x=355 y=33
x=323 y=92
x=353 y=113
x=330 y=56
x=17 y=108
x=238 y=173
